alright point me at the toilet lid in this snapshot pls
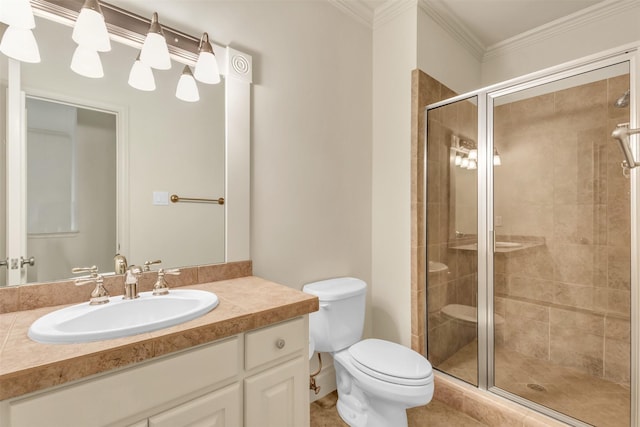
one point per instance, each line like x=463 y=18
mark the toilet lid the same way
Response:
x=391 y=362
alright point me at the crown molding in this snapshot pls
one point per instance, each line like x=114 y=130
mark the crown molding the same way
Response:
x=562 y=25
x=390 y=9
x=443 y=16
x=356 y=9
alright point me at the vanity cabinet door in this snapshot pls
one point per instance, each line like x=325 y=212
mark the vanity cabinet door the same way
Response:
x=220 y=408
x=278 y=397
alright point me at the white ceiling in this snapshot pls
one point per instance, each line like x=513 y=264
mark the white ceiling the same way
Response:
x=494 y=21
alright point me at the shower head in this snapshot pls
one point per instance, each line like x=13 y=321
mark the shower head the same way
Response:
x=622 y=133
x=623 y=101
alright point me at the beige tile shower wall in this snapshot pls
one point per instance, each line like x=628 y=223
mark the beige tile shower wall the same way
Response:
x=568 y=300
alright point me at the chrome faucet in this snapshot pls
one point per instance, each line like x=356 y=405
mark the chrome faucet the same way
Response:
x=131 y=282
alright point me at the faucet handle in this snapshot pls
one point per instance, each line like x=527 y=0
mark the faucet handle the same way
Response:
x=93 y=270
x=162 y=287
x=148 y=264
x=99 y=294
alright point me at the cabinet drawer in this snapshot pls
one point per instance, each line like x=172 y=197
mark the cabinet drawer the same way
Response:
x=270 y=343
x=107 y=399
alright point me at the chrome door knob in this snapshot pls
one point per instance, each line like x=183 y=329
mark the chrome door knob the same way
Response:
x=31 y=261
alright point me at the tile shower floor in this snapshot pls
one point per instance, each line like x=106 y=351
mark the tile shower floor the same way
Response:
x=592 y=400
x=435 y=414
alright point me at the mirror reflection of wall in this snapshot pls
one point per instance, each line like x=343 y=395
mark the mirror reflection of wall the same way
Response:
x=71 y=158
x=164 y=145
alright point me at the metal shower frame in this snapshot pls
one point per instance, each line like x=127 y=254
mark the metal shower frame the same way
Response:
x=486 y=232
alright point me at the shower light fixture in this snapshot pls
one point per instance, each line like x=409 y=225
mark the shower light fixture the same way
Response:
x=206 y=70
x=187 y=89
x=90 y=29
x=86 y=62
x=155 y=52
x=141 y=76
x=497 y=161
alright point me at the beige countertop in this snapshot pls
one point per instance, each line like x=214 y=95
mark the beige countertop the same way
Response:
x=246 y=303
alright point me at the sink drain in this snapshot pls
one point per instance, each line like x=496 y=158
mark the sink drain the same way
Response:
x=536 y=387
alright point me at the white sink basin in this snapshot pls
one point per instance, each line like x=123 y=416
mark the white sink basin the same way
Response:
x=121 y=318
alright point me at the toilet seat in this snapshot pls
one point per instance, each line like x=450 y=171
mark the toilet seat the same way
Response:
x=391 y=362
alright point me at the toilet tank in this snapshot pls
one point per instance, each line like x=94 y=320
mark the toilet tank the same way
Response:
x=340 y=320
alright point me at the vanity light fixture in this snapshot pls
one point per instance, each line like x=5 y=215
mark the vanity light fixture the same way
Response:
x=18 y=41
x=472 y=165
x=458 y=160
x=86 y=62
x=141 y=76
x=155 y=52
x=473 y=154
x=206 y=70
x=464 y=163
x=187 y=89
x=17 y=13
x=90 y=29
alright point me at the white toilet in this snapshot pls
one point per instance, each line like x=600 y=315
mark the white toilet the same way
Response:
x=377 y=380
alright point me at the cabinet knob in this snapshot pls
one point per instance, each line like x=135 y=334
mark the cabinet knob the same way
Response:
x=280 y=343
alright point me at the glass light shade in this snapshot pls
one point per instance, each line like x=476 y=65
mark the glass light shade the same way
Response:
x=472 y=165
x=458 y=160
x=141 y=77
x=155 y=52
x=464 y=163
x=497 y=161
x=187 y=89
x=86 y=62
x=473 y=154
x=19 y=43
x=206 y=70
x=90 y=29
x=17 y=13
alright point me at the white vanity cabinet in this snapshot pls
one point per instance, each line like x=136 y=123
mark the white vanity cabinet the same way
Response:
x=256 y=379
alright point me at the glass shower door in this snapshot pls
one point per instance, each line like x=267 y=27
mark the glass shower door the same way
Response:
x=562 y=256
x=452 y=237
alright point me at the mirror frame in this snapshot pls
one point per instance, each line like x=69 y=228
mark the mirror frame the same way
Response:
x=235 y=66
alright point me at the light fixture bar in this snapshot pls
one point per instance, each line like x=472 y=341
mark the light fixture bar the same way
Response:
x=123 y=25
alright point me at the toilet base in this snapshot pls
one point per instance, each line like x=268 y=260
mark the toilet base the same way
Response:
x=365 y=402
x=383 y=416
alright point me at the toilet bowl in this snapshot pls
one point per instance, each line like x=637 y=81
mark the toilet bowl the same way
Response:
x=377 y=380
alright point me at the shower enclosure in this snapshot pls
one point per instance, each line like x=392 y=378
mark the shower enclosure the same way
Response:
x=531 y=232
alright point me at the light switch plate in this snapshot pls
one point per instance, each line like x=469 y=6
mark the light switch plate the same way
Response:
x=160 y=198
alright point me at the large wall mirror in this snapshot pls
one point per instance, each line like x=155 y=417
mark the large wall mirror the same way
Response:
x=101 y=160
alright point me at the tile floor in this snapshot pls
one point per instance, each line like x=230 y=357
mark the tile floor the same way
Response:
x=592 y=400
x=435 y=414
